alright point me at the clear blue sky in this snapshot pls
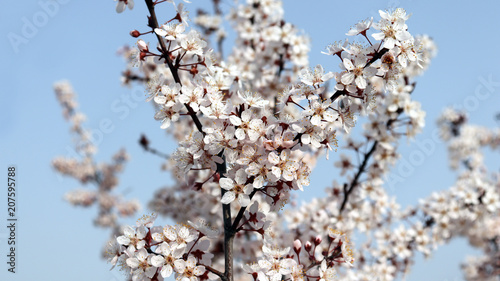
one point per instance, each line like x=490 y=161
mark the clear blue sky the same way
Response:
x=78 y=41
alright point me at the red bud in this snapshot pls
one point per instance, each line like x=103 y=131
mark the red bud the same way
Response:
x=135 y=33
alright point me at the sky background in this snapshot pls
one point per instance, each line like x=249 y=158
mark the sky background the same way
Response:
x=78 y=40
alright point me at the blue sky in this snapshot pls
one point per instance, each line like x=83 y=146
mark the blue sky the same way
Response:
x=78 y=40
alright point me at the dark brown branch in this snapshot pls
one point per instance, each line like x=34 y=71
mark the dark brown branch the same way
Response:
x=228 y=241
x=214 y=271
x=228 y=230
x=377 y=56
x=355 y=181
x=240 y=214
x=221 y=168
x=153 y=23
x=389 y=123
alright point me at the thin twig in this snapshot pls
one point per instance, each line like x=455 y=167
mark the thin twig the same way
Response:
x=355 y=181
x=153 y=23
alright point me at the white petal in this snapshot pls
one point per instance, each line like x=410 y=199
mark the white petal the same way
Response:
x=133 y=262
x=158 y=237
x=348 y=64
x=265 y=264
x=165 y=124
x=327 y=76
x=199 y=270
x=258 y=182
x=166 y=271
x=347 y=78
x=378 y=36
x=246 y=115
x=160 y=99
x=235 y=120
x=170 y=233
x=191 y=262
x=306 y=138
x=287 y=175
x=180 y=265
x=150 y=272
x=328 y=115
x=141 y=232
x=142 y=255
x=130 y=4
x=316 y=120
x=183 y=232
x=276 y=171
x=123 y=240
x=160 y=32
x=361 y=82
x=226 y=183
x=120 y=7
x=240 y=134
x=244 y=200
x=228 y=197
x=129 y=231
x=273 y=158
x=241 y=176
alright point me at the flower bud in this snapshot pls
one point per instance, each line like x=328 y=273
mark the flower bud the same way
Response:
x=135 y=33
x=143 y=47
x=308 y=246
x=317 y=240
x=297 y=246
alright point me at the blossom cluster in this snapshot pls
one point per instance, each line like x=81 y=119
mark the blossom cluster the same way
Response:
x=466 y=143
x=244 y=115
x=278 y=263
x=261 y=140
x=84 y=169
x=251 y=126
x=154 y=253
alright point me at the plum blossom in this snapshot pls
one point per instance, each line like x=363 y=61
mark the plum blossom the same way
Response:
x=393 y=28
x=357 y=72
x=188 y=270
x=316 y=76
x=236 y=189
x=122 y=4
x=192 y=43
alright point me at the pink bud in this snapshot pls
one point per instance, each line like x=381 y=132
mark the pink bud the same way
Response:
x=308 y=246
x=297 y=246
x=317 y=240
x=143 y=47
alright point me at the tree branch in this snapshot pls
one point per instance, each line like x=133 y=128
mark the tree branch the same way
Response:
x=214 y=271
x=240 y=214
x=221 y=168
x=153 y=23
x=355 y=181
